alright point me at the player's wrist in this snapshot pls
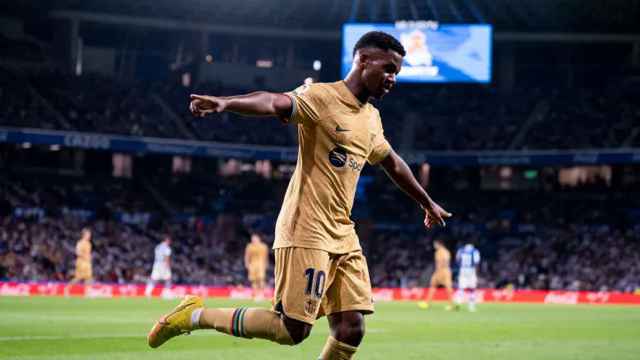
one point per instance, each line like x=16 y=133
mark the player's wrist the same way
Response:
x=223 y=103
x=428 y=206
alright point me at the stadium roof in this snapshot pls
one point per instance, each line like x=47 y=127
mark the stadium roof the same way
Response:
x=590 y=16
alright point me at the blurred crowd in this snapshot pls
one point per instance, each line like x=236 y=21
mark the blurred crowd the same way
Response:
x=434 y=118
x=575 y=258
x=43 y=250
x=544 y=237
x=596 y=258
x=538 y=242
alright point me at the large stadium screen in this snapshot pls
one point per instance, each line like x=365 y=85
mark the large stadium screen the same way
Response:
x=435 y=52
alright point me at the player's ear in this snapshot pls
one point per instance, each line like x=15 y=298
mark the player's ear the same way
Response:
x=362 y=57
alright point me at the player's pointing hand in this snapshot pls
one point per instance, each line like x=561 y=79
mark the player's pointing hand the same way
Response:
x=435 y=214
x=202 y=105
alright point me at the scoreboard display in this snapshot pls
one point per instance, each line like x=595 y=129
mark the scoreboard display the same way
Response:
x=437 y=53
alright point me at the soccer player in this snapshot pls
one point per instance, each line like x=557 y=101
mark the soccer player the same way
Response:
x=256 y=259
x=161 y=267
x=468 y=259
x=442 y=274
x=83 y=271
x=319 y=265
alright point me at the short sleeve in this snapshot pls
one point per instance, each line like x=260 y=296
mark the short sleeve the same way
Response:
x=306 y=104
x=380 y=147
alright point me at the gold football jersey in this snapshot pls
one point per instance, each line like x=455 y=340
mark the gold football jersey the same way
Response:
x=337 y=134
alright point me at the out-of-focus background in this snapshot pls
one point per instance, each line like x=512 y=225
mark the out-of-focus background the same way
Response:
x=521 y=117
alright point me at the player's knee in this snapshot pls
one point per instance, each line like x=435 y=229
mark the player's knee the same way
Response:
x=351 y=333
x=298 y=330
x=348 y=327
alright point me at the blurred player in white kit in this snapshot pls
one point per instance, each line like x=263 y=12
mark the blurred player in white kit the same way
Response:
x=468 y=259
x=161 y=268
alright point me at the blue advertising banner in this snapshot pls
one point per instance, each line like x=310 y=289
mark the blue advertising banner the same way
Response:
x=143 y=145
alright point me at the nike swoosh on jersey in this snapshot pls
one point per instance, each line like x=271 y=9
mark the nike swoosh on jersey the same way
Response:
x=339 y=129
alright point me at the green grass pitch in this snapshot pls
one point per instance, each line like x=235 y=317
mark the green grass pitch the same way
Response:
x=59 y=328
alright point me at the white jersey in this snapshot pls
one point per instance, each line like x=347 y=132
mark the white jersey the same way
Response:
x=161 y=271
x=468 y=259
x=163 y=252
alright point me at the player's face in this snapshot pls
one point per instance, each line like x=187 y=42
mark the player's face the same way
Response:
x=380 y=69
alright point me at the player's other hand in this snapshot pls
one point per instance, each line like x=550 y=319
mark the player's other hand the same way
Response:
x=202 y=105
x=435 y=215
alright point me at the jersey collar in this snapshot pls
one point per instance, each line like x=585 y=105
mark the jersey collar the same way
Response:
x=347 y=95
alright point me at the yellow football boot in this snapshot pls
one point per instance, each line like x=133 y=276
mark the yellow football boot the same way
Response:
x=175 y=323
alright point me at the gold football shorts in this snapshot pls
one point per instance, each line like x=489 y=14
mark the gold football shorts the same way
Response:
x=83 y=271
x=442 y=278
x=256 y=273
x=311 y=283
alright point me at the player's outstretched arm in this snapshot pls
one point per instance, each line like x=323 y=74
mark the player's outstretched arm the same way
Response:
x=398 y=170
x=259 y=103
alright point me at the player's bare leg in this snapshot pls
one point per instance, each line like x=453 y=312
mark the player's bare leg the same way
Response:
x=472 y=300
x=191 y=315
x=259 y=290
x=347 y=331
x=452 y=305
x=432 y=290
x=166 y=292
x=255 y=323
x=69 y=285
x=74 y=281
x=427 y=304
x=256 y=290
x=87 y=283
x=149 y=288
x=458 y=296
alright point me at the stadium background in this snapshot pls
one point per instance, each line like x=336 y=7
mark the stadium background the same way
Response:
x=540 y=166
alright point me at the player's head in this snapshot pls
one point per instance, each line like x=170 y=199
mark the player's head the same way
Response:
x=377 y=59
x=86 y=233
x=438 y=243
x=255 y=238
x=166 y=239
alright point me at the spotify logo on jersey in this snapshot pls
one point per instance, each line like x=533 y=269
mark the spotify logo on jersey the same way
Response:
x=338 y=157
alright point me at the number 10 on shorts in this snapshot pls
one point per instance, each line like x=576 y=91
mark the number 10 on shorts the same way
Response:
x=315 y=282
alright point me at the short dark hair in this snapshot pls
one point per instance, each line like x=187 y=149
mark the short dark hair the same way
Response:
x=380 y=40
